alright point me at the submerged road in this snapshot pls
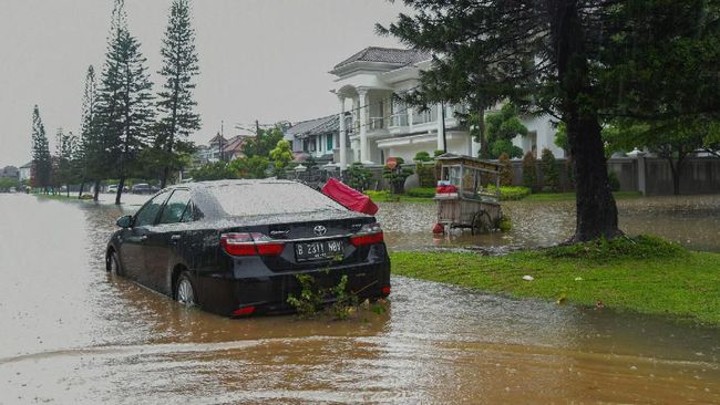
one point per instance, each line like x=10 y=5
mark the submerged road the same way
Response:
x=72 y=334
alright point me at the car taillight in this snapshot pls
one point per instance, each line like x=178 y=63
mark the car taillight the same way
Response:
x=244 y=311
x=250 y=244
x=369 y=234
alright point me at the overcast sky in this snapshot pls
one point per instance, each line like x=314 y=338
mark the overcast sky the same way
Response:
x=259 y=59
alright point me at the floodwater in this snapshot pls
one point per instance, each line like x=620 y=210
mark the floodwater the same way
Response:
x=72 y=334
x=692 y=221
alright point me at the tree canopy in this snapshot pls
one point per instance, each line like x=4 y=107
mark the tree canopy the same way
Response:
x=581 y=61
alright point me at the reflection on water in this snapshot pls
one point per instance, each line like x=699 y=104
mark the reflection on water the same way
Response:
x=71 y=333
x=693 y=221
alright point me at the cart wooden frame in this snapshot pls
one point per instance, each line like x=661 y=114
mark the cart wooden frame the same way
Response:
x=474 y=205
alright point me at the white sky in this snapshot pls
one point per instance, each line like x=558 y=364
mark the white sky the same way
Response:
x=259 y=59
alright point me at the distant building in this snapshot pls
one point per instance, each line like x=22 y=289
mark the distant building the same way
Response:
x=25 y=171
x=318 y=138
x=10 y=172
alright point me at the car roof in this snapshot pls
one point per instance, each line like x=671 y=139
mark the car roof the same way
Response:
x=219 y=183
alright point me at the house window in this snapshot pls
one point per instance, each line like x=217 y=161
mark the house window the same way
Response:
x=329 y=142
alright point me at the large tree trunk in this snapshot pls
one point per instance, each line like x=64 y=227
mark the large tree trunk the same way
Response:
x=121 y=186
x=96 y=191
x=82 y=188
x=595 y=205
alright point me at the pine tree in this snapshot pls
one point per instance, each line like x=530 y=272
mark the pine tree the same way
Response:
x=176 y=104
x=63 y=173
x=124 y=110
x=42 y=162
x=90 y=149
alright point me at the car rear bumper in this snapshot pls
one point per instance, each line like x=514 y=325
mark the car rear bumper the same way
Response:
x=225 y=295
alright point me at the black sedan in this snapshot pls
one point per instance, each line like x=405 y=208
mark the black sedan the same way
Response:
x=235 y=247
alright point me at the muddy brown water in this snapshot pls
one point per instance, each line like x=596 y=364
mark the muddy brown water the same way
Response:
x=70 y=333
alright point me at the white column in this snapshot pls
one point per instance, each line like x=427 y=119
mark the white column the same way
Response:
x=440 y=129
x=363 y=111
x=343 y=134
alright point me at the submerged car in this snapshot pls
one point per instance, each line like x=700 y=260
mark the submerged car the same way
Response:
x=236 y=247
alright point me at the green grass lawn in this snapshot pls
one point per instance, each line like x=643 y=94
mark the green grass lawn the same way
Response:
x=643 y=274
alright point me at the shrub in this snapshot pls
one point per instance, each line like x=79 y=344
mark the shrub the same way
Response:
x=426 y=175
x=639 y=247
x=422 y=156
x=422 y=192
x=613 y=181
x=529 y=165
x=512 y=193
x=551 y=176
x=506 y=175
x=396 y=176
x=358 y=176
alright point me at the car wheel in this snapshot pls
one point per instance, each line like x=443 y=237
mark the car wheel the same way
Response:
x=114 y=265
x=184 y=290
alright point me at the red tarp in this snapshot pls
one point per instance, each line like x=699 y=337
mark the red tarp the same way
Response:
x=349 y=197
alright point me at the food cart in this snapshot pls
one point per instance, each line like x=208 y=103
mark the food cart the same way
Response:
x=467 y=194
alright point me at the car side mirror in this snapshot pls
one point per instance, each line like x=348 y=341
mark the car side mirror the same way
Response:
x=125 y=222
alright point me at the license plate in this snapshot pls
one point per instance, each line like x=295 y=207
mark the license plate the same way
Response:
x=325 y=249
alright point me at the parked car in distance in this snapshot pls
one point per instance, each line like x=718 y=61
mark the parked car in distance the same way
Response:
x=235 y=247
x=112 y=188
x=142 y=188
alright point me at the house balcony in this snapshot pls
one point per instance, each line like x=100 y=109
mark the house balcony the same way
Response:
x=399 y=120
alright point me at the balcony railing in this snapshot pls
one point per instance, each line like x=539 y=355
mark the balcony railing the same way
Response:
x=377 y=123
x=425 y=116
x=399 y=120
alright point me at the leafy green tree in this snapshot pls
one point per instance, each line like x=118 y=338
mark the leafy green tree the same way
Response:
x=673 y=140
x=502 y=126
x=42 y=161
x=253 y=167
x=281 y=156
x=124 y=98
x=175 y=101
x=213 y=171
x=6 y=183
x=263 y=142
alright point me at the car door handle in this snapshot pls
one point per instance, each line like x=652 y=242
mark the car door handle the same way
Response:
x=175 y=238
x=143 y=238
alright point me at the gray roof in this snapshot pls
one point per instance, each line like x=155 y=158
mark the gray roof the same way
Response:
x=400 y=57
x=317 y=126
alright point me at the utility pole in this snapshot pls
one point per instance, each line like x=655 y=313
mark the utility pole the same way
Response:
x=257 y=130
x=222 y=140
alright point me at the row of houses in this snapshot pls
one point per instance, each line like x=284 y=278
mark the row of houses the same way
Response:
x=20 y=174
x=371 y=125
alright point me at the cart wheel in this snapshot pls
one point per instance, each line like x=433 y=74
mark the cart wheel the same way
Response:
x=481 y=221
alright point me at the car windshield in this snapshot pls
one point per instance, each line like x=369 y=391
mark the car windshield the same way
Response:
x=271 y=199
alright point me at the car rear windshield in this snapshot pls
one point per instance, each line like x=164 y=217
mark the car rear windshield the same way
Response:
x=271 y=199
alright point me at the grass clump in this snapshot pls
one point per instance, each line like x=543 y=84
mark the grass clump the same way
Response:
x=643 y=274
x=622 y=248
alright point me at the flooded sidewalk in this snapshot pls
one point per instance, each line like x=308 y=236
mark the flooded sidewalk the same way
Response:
x=71 y=333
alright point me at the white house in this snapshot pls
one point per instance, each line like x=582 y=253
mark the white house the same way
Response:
x=376 y=125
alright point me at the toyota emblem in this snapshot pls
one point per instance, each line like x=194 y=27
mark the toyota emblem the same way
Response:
x=320 y=230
